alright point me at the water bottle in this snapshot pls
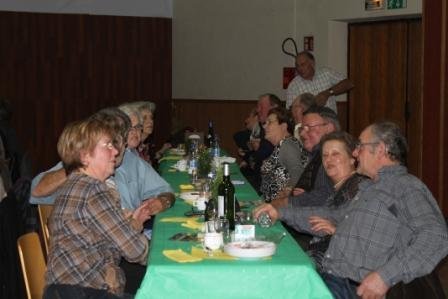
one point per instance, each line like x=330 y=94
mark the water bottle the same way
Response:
x=216 y=151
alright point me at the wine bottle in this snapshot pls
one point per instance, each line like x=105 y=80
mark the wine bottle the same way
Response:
x=226 y=198
x=210 y=135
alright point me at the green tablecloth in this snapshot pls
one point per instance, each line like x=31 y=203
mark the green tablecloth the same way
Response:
x=288 y=274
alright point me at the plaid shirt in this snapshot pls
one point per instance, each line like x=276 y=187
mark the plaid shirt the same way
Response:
x=89 y=235
x=323 y=79
x=392 y=226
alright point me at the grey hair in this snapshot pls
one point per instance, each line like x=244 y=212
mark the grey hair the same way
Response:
x=144 y=105
x=390 y=134
x=326 y=113
x=130 y=109
x=306 y=99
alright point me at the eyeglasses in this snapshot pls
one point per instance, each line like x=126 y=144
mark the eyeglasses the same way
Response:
x=307 y=128
x=137 y=127
x=108 y=145
x=360 y=144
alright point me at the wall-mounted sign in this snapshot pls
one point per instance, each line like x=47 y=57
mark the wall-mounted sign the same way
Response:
x=374 y=4
x=392 y=4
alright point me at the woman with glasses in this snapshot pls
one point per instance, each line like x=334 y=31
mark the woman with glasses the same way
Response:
x=147 y=149
x=89 y=231
x=282 y=169
x=135 y=133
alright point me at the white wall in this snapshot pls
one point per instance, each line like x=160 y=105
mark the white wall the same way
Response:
x=232 y=49
x=140 y=8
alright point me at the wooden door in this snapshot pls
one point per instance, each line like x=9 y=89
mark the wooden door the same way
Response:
x=385 y=66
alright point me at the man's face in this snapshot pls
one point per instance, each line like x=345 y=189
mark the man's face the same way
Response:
x=251 y=121
x=312 y=130
x=263 y=107
x=367 y=154
x=305 y=67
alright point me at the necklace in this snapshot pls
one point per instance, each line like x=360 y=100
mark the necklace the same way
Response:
x=341 y=181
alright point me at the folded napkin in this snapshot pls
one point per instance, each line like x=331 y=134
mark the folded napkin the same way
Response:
x=216 y=254
x=180 y=256
x=186 y=187
x=193 y=224
x=178 y=219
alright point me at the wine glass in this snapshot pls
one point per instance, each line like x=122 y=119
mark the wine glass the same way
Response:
x=222 y=226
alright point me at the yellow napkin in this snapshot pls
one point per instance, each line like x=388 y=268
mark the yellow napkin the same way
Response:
x=179 y=219
x=180 y=256
x=193 y=224
x=217 y=254
x=186 y=187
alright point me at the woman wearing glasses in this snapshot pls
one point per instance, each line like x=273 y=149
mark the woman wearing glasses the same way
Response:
x=89 y=231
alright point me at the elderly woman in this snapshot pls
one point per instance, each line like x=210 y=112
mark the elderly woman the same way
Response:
x=146 y=148
x=136 y=131
x=285 y=165
x=89 y=232
x=298 y=107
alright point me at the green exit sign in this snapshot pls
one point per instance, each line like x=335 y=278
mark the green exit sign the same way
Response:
x=392 y=4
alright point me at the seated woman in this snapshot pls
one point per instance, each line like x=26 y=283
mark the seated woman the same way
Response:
x=339 y=164
x=147 y=149
x=136 y=131
x=282 y=169
x=89 y=232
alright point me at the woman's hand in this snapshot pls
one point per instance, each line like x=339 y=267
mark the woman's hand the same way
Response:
x=319 y=224
x=142 y=213
x=266 y=208
x=297 y=191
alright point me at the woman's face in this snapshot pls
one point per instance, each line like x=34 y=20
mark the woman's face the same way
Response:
x=297 y=111
x=100 y=164
x=337 y=162
x=275 y=132
x=148 y=123
x=135 y=134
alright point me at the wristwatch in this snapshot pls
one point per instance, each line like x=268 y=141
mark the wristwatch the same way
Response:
x=331 y=91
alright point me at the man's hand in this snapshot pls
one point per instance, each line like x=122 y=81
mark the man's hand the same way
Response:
x=372 y=287
x=297 y=191
x=322 y=98
x=267 y=208
x=319 y=224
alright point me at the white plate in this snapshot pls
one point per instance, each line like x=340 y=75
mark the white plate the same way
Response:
x=189 y=196
x=250 y=249
x=177 y=152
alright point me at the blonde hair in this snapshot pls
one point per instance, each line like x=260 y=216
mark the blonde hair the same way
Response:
x=81 y=137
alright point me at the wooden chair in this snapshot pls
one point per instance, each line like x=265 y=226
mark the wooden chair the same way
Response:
x=44 y=214
x=33 y=264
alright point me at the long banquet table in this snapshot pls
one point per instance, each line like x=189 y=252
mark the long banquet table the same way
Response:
x=288 y=274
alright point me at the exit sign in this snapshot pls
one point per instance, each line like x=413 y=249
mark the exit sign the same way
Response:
x=392 y=4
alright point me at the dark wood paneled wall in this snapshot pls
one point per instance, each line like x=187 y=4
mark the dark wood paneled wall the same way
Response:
x=435 y=95
x=56 y=68
x=228 y=116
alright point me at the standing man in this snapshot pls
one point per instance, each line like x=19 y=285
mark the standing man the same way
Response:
x=391 y=235
x=324 y=83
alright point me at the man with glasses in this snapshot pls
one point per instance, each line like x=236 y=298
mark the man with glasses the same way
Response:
x=390 y=236
x=314 y=186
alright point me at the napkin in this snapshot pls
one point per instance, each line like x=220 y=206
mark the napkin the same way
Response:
x=180 y=256
x=178 y=219
x=216 y=254
x=186 y=187
x=193 y=224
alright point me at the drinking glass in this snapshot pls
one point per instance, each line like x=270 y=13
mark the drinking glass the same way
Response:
x=264 y=220
x=222 y=226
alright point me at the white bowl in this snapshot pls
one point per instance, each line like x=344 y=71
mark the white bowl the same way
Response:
x=250 y=249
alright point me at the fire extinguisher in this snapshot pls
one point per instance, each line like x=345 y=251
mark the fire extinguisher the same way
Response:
x=289 y=72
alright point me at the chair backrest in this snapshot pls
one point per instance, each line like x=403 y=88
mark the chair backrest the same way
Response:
x=44 y=214
x=33 y=264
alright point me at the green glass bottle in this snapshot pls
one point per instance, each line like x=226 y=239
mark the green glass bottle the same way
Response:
x=226 y=198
